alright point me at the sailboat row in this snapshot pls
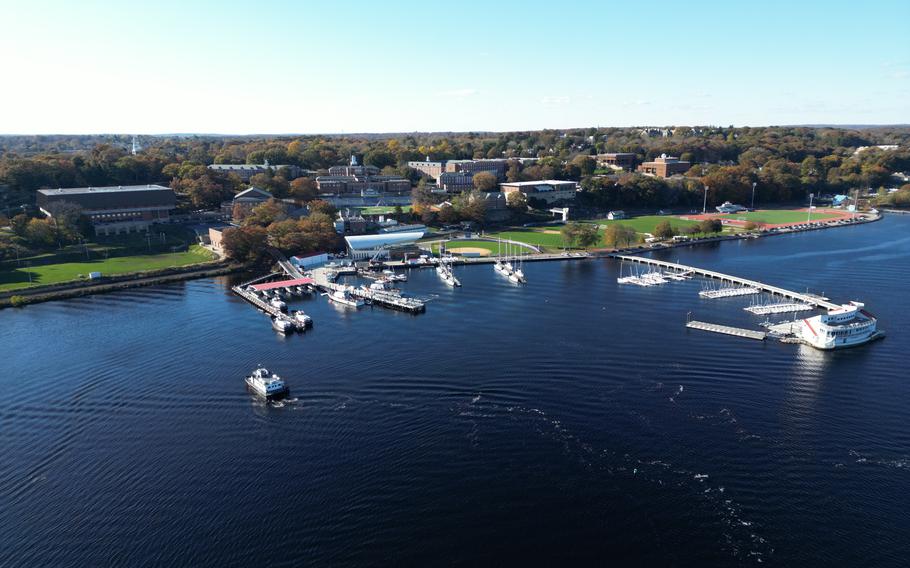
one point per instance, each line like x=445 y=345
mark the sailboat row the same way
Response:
x=444 y=268
x=514 y=272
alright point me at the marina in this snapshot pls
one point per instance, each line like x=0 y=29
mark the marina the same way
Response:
x=805 y=298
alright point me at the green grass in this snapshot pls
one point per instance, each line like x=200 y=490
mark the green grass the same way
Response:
x=486 y=245
x=645 y=223
x=775 y=217
x=536 y=236
x=66 y=271
x=383 y=210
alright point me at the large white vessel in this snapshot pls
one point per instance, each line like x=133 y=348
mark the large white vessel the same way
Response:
x=342 y=296
x=841 y=327
x=266 y=384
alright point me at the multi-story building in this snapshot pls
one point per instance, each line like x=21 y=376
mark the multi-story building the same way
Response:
x=496 y=166
x=455 y=182
x=353 y=169
x=246 y=171
x=114 y=210
x=616 y=160
x=363 y=185
x=430 y=168
x=549 y=190
x=664 y=166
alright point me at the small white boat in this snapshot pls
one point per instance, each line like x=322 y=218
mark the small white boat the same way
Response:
x=283 y=324
x=345 y=298
x=302 y=320
x=393 y=276
x=278 y=303
x=266 y=384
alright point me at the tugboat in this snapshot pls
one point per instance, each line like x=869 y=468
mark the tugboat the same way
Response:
x=266 y=384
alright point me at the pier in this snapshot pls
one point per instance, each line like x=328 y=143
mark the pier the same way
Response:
x=726 y=330
x=323 y=279
x=810 y=299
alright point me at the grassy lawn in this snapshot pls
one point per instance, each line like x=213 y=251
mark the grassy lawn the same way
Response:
x=645 y=223
x=62 y=272
x=775 y=217
x=486 y=245
x=546 y=237
x=383 y=210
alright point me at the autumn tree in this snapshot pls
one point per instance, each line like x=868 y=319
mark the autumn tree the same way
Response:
x=664 y=230
x=245 y=244
x=304 y=189
x=619 y=235
x=322 y=206
x=267 y=213
x=485 y=181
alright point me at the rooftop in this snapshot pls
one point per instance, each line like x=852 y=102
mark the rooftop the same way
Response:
x=539 y=182
x=111 y=189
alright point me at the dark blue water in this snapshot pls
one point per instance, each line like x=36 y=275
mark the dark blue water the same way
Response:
x=569 y=420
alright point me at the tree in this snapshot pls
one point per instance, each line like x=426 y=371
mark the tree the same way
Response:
x=322 y=206
x=245 y=244
x=664 y=230
x=40 y=232
x=517 y=201
x=618 y=235
x=710 y=226
x=448 y=214
x=485 y=181
x=569 y=233
x=587 y=236
x=304 y=189
x=266 y=213
x=19 y=224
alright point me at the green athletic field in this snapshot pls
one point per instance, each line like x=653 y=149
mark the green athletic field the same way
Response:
x=11 y=279
x=775 y=217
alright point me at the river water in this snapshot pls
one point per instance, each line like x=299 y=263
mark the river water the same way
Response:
x=568 y=420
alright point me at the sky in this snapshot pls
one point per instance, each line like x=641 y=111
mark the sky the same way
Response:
x=280 y=66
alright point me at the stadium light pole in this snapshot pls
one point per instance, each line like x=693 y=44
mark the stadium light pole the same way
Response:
x=753 y=195
x=704 y=207
x=809 y=216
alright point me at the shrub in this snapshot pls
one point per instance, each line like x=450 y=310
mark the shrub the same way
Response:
x=18 y=301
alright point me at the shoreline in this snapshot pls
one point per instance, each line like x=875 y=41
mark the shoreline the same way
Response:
x=85 y=288
x=64 y=290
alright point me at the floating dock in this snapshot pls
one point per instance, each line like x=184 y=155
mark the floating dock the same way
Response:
x=727 y=330
x=810 y=299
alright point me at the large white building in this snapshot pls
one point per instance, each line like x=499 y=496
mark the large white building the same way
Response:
x=548 y=190
x=366 y=247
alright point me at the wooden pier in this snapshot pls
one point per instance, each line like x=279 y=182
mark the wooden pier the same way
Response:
x=776 y=290
x=727 y=330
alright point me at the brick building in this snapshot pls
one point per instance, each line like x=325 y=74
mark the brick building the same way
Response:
x=664 y=166
x=114 y=210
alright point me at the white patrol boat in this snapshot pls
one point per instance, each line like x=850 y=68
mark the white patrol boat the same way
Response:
x=266 y=384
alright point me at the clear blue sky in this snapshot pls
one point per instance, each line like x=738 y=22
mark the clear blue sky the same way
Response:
x=369 y=66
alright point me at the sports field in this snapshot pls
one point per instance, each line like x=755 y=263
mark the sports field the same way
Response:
x=490 y=248
x=775 y=216
x=645 y=223
x=548 y=237
x=11 y=279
